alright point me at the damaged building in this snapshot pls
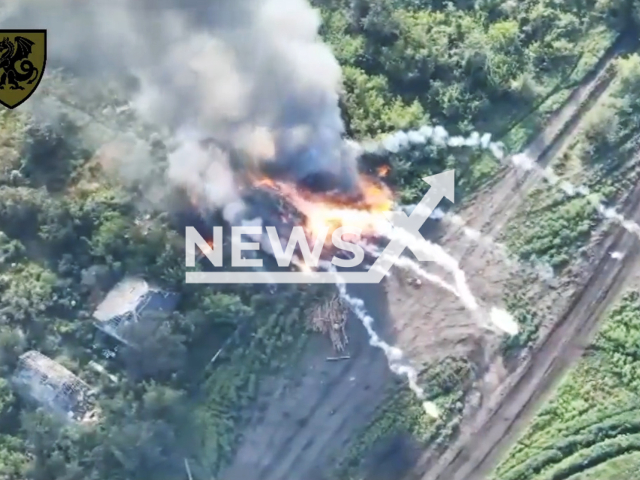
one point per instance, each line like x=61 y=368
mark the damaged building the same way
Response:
x=48 y=384
x=127 y=302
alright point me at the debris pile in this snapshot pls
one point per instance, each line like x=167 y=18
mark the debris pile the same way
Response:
x=330 y=318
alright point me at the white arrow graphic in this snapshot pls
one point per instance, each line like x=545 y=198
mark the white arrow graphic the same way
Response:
x=442 y=185
x=405 y=234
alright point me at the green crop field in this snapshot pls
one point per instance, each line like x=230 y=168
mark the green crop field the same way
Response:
x=590 y=428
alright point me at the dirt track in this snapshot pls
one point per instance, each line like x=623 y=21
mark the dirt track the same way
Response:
x=307 y=420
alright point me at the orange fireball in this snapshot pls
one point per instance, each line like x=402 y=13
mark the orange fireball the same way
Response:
x=329 y=211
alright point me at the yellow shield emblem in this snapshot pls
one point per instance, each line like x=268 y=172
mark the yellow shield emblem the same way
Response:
x=23 y=56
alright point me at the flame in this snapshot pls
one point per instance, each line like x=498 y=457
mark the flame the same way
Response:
x=383 y=170
x=330 y=211
x=265 y=182
x=200 y=255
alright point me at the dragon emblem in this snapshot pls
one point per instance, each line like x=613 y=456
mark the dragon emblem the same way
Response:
x=14 y=53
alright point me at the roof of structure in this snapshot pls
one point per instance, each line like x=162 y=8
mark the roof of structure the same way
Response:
x=127 y=301
x=54 y=387
x=123 y=298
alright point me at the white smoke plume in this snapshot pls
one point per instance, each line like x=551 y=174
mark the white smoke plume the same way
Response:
x=533 y=266
x=395 y=356
x=526 y=163
x=251 y=77
x=437 y=254
x=497 y=317
x=438 y=136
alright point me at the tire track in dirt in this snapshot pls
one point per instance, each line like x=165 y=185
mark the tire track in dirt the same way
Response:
x=310 y=417
x=562 y=127
x=490 y=210
x=546 y=145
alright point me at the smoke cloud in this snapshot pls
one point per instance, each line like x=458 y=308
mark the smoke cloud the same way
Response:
x=251 y=77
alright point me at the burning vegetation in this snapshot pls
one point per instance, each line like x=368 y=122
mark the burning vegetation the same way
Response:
x=383 y=170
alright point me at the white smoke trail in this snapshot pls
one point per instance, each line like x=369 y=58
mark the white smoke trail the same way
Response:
x=407 y=263
x=526 y=163
x=498 y=318
x=438 y=136
x=534 y=266
x=393 y=354
x=437 y=213
x=438 y=255
x=541 y=269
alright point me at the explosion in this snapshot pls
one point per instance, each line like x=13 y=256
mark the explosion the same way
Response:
x=200 y=255
x=322 y=212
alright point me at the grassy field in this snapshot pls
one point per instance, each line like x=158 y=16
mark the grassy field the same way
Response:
x=490 y=68
x=590 y=429
x=402 y=414
x=553 y=225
